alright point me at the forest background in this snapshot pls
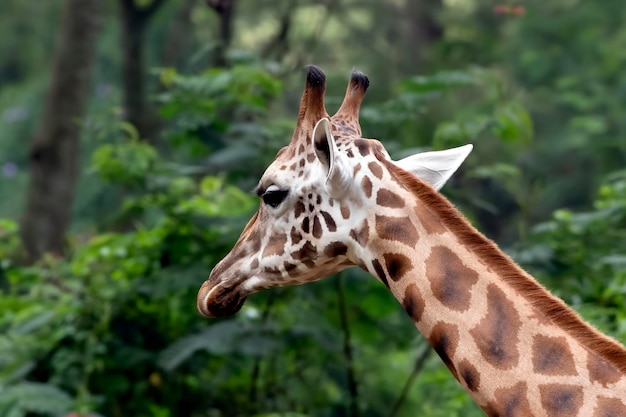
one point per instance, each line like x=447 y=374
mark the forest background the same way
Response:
x=132 y=130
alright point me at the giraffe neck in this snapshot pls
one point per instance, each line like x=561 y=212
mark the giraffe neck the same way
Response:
x=516 y=349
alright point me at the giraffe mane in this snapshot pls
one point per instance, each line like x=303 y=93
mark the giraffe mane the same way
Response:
x=554 y=308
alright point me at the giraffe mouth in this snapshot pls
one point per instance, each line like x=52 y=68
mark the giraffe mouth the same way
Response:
x=219 y=300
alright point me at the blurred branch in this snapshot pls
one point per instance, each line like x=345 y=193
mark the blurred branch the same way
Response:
x=178 y=36
x=278 y=46
x=347 y=349
x=151 y=8
x=256 y=368
x=145 y=11
x=424 y=30
x=305 y=52
x=417 y=368
x=225 y=12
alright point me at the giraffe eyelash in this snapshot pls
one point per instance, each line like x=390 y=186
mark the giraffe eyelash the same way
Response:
x=274 y=196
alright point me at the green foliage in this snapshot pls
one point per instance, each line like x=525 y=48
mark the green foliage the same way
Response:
x=127 y=163
x=9 y=243
x=27 y=397
x=247 y=89
x=112 y=327
x=74 y=331
x=217 y=109
x=581 y=256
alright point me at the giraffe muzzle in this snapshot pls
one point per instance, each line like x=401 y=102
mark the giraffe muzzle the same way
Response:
x=217 y=300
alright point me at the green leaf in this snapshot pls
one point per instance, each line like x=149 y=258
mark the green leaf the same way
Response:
x=225 y=337
x=127 y=163
x=444 y=80
x=31 y=397
x=513 y=124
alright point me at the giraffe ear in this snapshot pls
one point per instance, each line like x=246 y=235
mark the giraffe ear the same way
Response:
x=435 y=167
x=338 y=177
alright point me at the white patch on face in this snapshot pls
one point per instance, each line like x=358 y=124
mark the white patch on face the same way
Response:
x=252 y=284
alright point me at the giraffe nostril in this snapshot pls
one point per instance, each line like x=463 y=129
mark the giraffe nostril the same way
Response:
x=218 y=300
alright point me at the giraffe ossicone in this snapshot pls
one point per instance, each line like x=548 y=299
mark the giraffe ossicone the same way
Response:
x=332 y=199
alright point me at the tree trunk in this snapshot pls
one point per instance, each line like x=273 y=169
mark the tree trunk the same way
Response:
x=53 y=154
x=424 y=30
x=225 y=13
x=177 y=42
x=134 y=22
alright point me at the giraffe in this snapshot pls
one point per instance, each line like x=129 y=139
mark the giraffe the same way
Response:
x=332 y=199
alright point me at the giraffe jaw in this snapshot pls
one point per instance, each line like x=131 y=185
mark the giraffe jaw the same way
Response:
x=217 y=301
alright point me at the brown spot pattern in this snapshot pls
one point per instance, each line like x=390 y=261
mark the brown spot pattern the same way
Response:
x=469 y=375
x=450 y=280
x=280 y=152
x=397 y=228
x=428 y=220
x=601 y=371
x=413 y=302
x=444 y=338
x=296 y=236
x=254 y=264
x=362 y=146
x=335 y=249
x=328 y=219
x=378 y=146
x=276 y=245
x=299 y=209
x=376 y=169
x=387 y=198
x=306 y=254
x=380 y=272
x=345 y=211
x=306 y=225
x=552 y=356
x=250 y=239
x=609 y=407
x=273 y=270
x=510 y=402
x=560 y=400
x=290 y=268
x=317 y=227
x=497 y=333
x=397 y=265
x=362 y=234
x=224 y=265
x=366 y=184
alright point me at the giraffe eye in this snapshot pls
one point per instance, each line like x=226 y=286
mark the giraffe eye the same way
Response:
x=273 y=196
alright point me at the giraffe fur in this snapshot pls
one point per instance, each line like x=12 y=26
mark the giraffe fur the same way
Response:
x=332 y=199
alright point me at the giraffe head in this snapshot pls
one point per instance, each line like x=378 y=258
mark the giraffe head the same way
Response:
x=316 y=198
